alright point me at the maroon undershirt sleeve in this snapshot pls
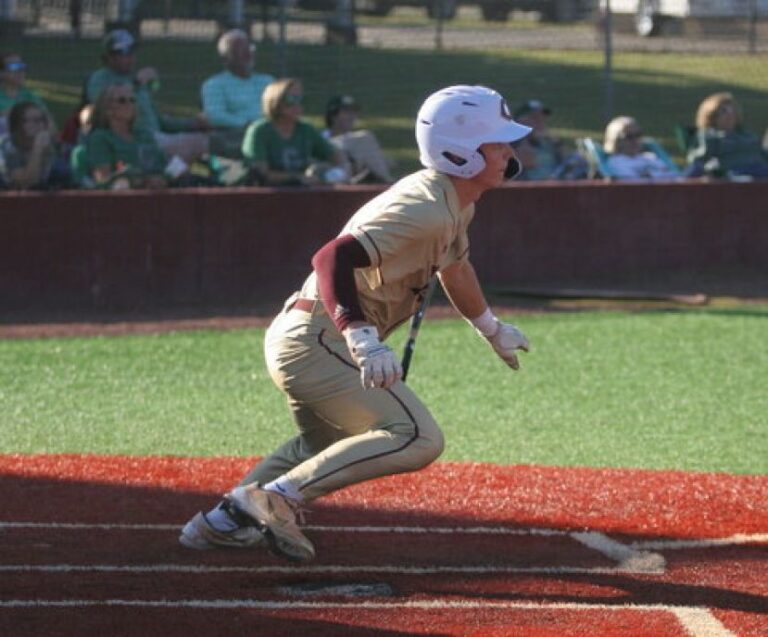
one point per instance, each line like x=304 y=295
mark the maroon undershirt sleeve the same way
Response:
x=335 y=265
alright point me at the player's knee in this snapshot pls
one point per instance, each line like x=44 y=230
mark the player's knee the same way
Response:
x=424 y=443
x=433 y=442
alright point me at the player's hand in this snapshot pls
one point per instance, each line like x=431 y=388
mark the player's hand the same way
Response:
x=379 y=366
x=505 y=341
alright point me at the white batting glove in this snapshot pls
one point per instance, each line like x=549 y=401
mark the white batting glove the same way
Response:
x=505 y=341
x=379 y=367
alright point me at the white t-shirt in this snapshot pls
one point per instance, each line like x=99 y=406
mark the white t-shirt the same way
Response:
x=643 y=166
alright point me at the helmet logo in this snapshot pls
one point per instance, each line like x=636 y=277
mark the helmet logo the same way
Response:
x=505 y=110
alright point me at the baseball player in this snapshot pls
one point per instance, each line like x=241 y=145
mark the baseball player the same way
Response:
x=326 y=350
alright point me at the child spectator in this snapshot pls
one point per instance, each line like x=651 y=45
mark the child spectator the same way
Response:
x=723 y=146
x=365 y=159
x=119 y=154
x=283 y=150
x=627 y=158
x=30 y=154
x=175 y=135
x=232 y=98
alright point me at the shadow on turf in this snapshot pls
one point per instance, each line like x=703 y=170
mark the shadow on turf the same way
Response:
x=68 y=501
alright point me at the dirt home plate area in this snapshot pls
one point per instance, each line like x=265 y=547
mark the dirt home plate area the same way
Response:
x=89 y=547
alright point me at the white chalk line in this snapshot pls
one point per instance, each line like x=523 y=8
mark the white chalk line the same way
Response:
x=318 y=569
x=639 y=545
x=698 y=622
x=629 y=559
x=734 y=540
x=423 y=530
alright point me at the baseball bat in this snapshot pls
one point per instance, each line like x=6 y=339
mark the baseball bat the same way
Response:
x=413 y=330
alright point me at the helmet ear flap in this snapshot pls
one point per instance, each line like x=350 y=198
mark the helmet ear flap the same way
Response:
x=456 y=160
x=514 y=168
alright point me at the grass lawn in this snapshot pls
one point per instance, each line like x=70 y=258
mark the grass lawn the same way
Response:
x=662 y=389
x=661 y=89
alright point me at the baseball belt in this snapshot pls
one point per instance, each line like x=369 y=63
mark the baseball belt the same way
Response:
x=310 y=306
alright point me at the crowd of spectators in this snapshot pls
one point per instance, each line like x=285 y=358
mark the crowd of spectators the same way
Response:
x=251 y=130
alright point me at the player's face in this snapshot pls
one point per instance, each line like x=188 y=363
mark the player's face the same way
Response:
x=497 y=156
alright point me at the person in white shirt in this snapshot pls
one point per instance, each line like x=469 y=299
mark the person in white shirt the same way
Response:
x=627 y=156
x=232 y=99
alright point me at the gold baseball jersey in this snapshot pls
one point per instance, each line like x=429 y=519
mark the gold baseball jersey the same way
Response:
x=410 y=231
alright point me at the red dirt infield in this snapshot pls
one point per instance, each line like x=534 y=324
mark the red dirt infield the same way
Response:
x=89 y=547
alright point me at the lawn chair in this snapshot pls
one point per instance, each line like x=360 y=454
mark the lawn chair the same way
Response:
x=598 y=158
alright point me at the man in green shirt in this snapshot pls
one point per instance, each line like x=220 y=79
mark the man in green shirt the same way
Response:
x=232 y=98
x=185 y=137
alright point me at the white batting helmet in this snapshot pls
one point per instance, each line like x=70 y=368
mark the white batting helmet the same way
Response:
x=455 y=121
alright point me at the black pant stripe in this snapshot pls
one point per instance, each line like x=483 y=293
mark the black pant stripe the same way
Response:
x=407 y=444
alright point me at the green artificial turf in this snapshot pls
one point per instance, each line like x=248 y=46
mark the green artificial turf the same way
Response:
x=661 y=89
x=664 y=389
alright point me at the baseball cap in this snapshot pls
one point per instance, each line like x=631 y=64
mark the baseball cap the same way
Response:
x=119 y=41
x=339 y=102
x=532 y=106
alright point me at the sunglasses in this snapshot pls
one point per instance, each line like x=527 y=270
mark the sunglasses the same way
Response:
x=125 y=99
x=293 y=100
x=15 y=67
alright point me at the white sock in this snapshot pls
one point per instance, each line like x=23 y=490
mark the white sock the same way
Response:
x=220 y=520
x=284 y=487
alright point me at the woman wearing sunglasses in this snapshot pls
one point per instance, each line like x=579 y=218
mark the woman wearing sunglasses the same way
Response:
x=13 y=89
x=724 y=146
x=284 y=150
x=629 y=155
x=117 y=153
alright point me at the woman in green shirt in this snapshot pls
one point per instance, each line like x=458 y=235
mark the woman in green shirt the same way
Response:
x=117 y=154
x=283 y=150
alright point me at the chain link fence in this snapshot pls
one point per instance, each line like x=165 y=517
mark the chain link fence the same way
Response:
x=390 y=53
x=637 y=25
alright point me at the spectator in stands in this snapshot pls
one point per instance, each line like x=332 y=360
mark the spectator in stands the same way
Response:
x=118 y=153
x=31 y=156
x=282 y=149
x=723 y=146
x=185 y=137
x=13 y=89
x=627 y=157
x=365 y=160
x=544 y=155
x=232 y=98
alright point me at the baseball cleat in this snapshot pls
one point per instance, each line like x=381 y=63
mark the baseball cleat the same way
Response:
x=199 y=534
x=276 y=517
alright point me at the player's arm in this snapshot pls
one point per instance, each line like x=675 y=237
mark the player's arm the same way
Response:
x=334 y=266
x=460 y=283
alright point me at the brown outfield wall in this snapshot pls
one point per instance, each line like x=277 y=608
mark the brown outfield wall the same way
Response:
x=137 y=251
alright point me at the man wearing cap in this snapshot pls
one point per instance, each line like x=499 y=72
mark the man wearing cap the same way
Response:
x=362 y=151
x=326 y=350
x=13 y=89
x=175 y=135
x=540 y=151
x=232 y=99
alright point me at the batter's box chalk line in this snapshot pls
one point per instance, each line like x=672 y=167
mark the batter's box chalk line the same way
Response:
x=635 y=557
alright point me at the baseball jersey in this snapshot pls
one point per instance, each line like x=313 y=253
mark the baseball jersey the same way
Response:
x=410 y=232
